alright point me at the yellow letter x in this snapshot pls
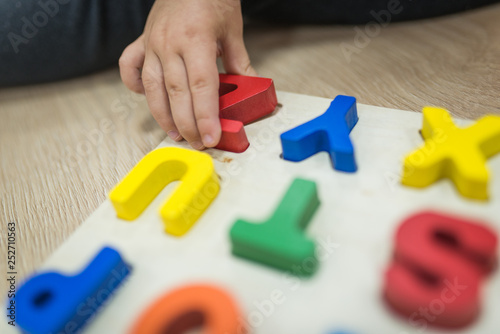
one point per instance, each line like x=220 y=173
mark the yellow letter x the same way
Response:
x=199 y=186
x=449 y=151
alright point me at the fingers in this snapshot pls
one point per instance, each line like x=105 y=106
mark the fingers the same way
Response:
x=154 y=87
x=179 y=95
x=203 y=78
x=183 y=94
x=131 y=62
x=235 y=57
x=182 y=91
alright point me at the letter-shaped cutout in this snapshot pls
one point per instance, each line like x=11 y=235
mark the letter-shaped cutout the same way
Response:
x=198 y=188
x=54 y=303
x=190 y=307
x=242 y=100
x=280 y=242
x=328 y=132
x=455 y=153
x=439 y=262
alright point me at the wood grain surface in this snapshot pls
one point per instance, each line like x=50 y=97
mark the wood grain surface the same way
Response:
x=64 y=145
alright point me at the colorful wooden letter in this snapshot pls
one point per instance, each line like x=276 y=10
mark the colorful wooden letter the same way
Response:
x=459 y=154
x=280 y=241
x=190 y=307
x=54 y=303
x=242 y=100
x=439 y=262
x=328 y=132
x=199 y=187
x=233 y=137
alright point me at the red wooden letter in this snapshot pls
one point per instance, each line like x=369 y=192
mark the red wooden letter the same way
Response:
x=439 y=262
x=242 y=100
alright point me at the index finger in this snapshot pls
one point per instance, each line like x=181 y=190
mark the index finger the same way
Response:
x=203 y=77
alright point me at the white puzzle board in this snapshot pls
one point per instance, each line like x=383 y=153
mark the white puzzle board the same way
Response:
x=358 y=217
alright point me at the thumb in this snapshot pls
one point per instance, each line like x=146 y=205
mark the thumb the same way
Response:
x=235 y=57
x=131 y=63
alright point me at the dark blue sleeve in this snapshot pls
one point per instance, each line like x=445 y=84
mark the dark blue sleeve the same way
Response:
x=45 y=40
x=352 y=11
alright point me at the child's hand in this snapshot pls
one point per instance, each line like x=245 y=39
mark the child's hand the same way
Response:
x=174 y=63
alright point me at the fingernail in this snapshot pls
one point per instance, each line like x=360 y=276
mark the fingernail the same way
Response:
x=198 y=145
x=173 y=134
x=208 y=141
